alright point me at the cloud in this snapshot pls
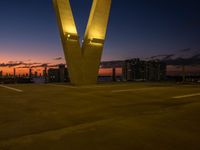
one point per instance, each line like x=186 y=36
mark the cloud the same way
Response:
x=12 y=64
x=53 y=65
x=58 y=58
x=168 y=56
x=186 y=56
x=111 y=64
x=22 y=64
x=193 y=60
x=186 y=50
x=164 y=56
x=28 y=64
x=24 y=67
x=40 y=65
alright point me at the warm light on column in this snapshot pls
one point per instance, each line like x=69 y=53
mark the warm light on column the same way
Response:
x=96 y=41
x=71 y=37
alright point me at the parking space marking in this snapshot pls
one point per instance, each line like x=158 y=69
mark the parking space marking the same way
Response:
x=10 y=88
x=132 y=90
x=188 y=95
x=60 y=85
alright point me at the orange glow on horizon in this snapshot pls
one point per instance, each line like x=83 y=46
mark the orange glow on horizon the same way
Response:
x=21 y=71
x=108 y=71
x=39 y=70
x=171 y=70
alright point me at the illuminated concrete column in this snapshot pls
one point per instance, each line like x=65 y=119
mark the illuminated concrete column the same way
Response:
x=70 y=40
x=83 y=63
x=94 y=39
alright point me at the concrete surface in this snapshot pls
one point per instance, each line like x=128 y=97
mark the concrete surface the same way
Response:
x=134 y=116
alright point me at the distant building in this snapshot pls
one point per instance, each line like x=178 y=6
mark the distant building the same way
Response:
x=30 y=73
x=62 y=73
x=134 y=69
x=58 y=75
x=156 y=70
x=1 y=73
x=53 y=75
x=36 y=74
x=139 y=70
x=114 y=74
x=45 y=73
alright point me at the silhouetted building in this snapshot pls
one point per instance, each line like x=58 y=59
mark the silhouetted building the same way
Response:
x=134 y=69
x=58 y=75
x=53 y=75
x=113 y=74
x=156 y=70
x=62 y=72
x=1 y=73
x=139 y=70
x=30 y=73
x=45 y=74
x=36 y=74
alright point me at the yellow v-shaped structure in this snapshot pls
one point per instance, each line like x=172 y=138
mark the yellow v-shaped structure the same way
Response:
x=83 y=61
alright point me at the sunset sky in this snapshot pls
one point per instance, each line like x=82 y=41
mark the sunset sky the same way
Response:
x=137 y=28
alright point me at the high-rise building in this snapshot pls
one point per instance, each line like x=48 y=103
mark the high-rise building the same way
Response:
x=139 y=70
x=156 y=70
x=134 y=69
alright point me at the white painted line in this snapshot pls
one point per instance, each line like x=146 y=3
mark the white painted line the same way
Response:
x=185 y=96
x=10 y=88
x=66 y=86
x=132 y=90
x=85 y=86
x=103 y=86
x=77 y=87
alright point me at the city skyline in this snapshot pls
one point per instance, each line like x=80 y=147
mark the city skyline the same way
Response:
x=143 y=30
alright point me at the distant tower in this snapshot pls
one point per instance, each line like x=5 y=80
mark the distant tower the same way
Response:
x=36 y=74
x=45 y=75
x=114 y=74
x=45 y=72
x=62 y=73
x=30 y=73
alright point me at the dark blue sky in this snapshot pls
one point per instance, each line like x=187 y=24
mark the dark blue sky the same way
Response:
x=137 y=28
